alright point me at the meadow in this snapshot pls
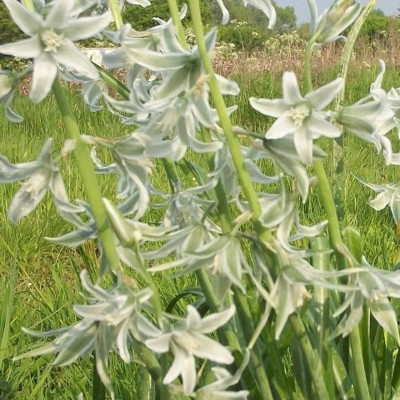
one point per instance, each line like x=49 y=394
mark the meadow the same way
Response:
x=39 y=281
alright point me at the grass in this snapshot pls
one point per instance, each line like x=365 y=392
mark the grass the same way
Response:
x=39 y=281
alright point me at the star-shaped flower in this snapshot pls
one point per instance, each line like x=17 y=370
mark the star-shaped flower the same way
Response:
x=300 y=116
x=186 y=339
x=51 y=42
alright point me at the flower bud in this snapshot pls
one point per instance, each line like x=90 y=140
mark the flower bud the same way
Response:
x=121 y=228
x=336 y=19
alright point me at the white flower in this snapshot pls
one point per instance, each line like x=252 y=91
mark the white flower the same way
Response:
x=389 y=195
x=266 y=6
x=40 y=175
x=8 y=88
x=372 y=117
x=333 y=21
x=300 y=116
x=51 y=42
x=186 y=339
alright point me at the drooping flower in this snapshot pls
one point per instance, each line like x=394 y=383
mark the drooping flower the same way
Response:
x=388 y=195
x=51 y=42
x=41 y=175
x=109 y=322
x=300 y=116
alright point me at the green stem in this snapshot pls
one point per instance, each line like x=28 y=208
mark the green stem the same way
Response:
x=99 y=390
x=330 y=208
x=224 y=212
x=313 y=361
x=145 y=387
x=152 y=365
x=307 y=66
x=359 y=367
x=180 y=31
x=339 y=171
x=231 y=139
x=116 y=13
x=215 y=306
x=29 y=5
x=246 y=322
x=89 y=179
x=321 y=261
x=155 y=298
x=172 y=173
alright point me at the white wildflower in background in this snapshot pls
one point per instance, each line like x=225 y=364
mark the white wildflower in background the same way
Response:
x=266 y=6
x=51 y=42
x=300 y=116
x=388 y=195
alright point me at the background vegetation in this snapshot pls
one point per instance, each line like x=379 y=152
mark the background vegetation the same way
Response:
x=39 y=281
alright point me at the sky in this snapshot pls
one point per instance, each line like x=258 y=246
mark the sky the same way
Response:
x=389 y=7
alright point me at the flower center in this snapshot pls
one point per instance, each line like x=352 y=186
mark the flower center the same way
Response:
x=298 y=114
x=52 y=40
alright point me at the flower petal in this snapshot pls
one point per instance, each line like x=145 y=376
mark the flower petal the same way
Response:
x=58 y=17
x=324 y=95
x=304 y=145
x=28 y=48
x=318 y=126
x=83 y=28
x=290 y=87
x=225 y=12
x=71 y=57
x=283 y=126
x=209 y=349
x=212 y=322
x=44 y=72
x=30 y=195
x=178 y=365
x=27 y=21
x=273 y=108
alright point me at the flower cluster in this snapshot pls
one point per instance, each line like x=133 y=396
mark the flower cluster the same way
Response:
x=172 y=101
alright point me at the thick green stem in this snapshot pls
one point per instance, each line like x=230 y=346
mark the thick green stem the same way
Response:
x=29 y=5
x=172 y=173
x=246 y=321
x=313 y=361
x=152 y=365
x=180 y=31
x=330 y=208
x=321 y=261
x=338 y=170
x=116 y=13
x=99 y=390
x=307 y=66
x=224 y=213
x=231 y=139
x=215 y=306
x=89 y=179
x=359 y=367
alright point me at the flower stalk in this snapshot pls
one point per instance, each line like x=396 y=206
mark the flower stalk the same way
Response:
x=231 y=138
x=88 y=178
x=116 y=12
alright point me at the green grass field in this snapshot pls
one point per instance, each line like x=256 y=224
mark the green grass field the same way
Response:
x=39 y=281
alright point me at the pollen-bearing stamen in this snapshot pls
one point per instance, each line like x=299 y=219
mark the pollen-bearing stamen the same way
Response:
x=299 y=114
x=52 y=40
